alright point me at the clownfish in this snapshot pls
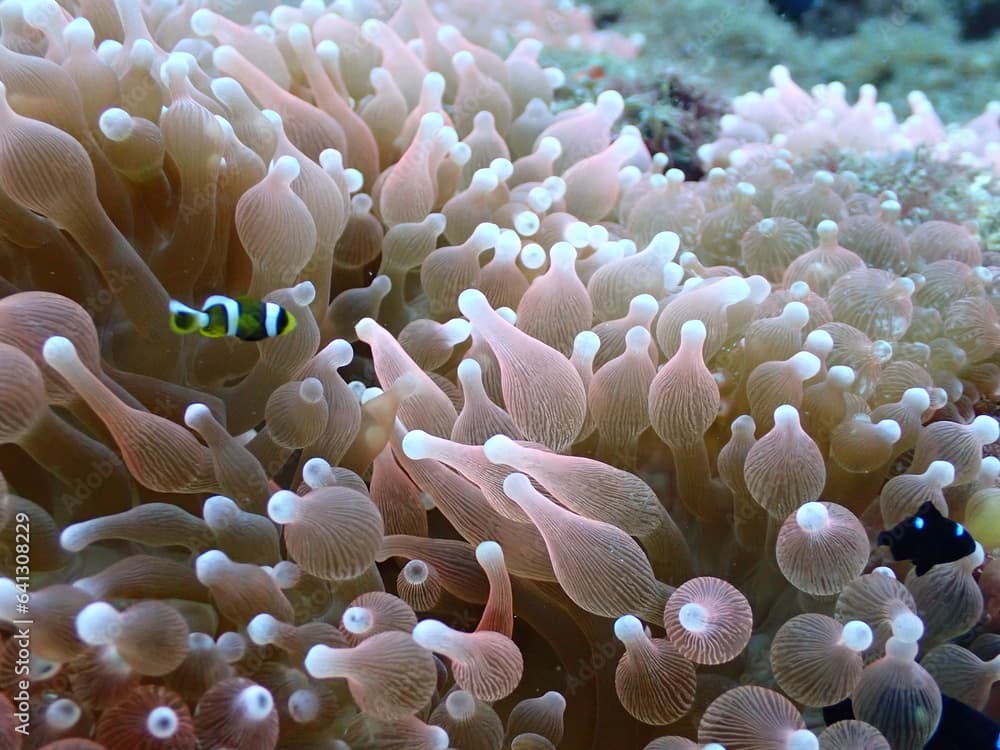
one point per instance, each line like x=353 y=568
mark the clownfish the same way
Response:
x=928 y=539
x=245 y=318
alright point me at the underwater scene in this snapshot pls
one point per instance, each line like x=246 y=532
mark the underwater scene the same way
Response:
x=522 y=375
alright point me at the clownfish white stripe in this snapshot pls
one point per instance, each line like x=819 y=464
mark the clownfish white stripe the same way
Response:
x=271 y=312
x=232 y=311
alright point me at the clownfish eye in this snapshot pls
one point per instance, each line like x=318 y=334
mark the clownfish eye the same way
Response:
x=959 y=529
x=918 y=523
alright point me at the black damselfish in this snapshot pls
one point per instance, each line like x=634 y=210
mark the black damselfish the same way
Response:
x=928 y=539
x=961 y=727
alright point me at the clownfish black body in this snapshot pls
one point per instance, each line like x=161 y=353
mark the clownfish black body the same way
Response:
x=242 y=317
x=928 y=539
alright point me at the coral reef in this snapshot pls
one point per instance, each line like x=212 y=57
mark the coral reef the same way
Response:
x=941 y=47
x=566 y=424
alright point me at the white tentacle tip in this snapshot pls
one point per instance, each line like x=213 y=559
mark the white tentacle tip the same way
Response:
x=59 y=352
x=415 y=445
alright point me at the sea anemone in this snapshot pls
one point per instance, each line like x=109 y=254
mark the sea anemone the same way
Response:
x=553 y=447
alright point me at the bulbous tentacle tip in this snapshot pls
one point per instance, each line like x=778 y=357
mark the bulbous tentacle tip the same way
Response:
x=79 y=33
x=917 y=399
x=429 y=633
x=812 y=516
x=819 y=341
x=311 y=390
x=430 y=124
x=98 y=624
x=285 y=169
x=693 y=333
x=207 y=564
x=786 y=415
x=941 y=473
x=331 y=160
x=638 y=339
x=162 y=723
x=339 y=353
x=743 y=424
x=803 y=739
x=365 y=329
x=857 y=635
x=255 y=703
x=907 y=627
x=497 y=450
x=303 y=294
x=262 y=629
x=517 y=486
x=357 y=620
x=300 y=37
x=628 y=627
x=489 y=552
x=586 y=344
x=115 y=124
x=469 y=370
x=382 y=284
x=533 y=256
x=59 y=353
x=328 y=52
x=317 y=661
x=74 y=537
x=890 y=430
x=665 y=245
x=218 y=509
x=203 y=22
x=986 y=429
x=174 y=70
x=437 y=738
x=416 y=444
x=225 y=57
x=227 y=90
x=283 y=507
x=196 y=414
x=472 y=303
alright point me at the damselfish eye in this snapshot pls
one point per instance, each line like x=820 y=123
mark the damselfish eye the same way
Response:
x=959 y=529
x=918 y=523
